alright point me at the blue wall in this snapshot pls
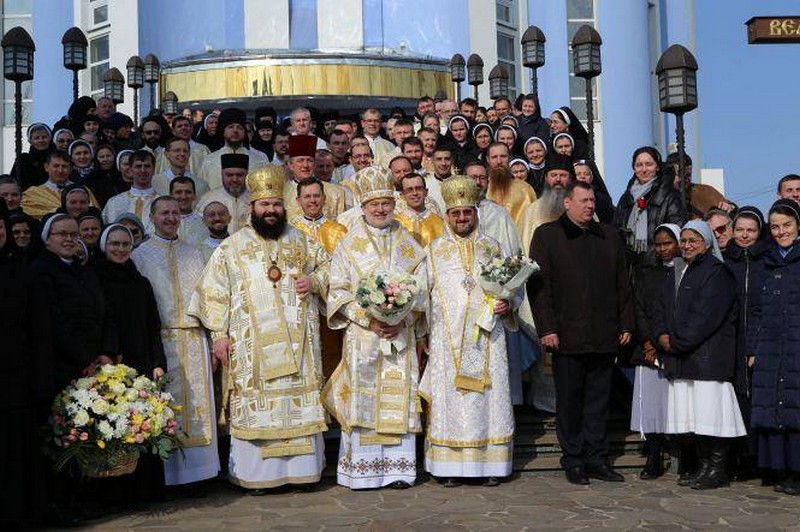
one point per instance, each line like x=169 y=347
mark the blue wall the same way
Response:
x=52 y=83
x=179 y=28
x=303 y=25
x=439 y=29
x=625 y=87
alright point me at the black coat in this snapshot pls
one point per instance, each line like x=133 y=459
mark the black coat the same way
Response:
x=533 y=126
x=536 y=180
x=747 y=266
x=26 y=364
x=134 y=311
x=81 y=325
x=648 y=280
x=775 y=340
x=582 y=292
x=31 y=168
x=664 y=205
x=700 y=318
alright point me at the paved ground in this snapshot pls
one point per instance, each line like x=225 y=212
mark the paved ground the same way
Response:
x=541 y=502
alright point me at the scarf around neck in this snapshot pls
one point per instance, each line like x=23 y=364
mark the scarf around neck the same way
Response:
x=637 y=221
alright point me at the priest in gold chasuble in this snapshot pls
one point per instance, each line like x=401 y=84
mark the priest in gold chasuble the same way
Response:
x=466 y=384
x=327 y=233
x=414 y=214
x=173 y=267
x=373 y=392
x=256 y=296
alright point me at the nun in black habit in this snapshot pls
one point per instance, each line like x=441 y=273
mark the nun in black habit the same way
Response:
x=25 y=394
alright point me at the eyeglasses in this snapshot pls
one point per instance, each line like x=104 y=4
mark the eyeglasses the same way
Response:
x=720 y=229
x=691 y=241
x=65 y=235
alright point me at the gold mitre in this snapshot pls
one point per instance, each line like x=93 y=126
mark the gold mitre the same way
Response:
x=375 y=182
x=266 y=183
x=459 y=191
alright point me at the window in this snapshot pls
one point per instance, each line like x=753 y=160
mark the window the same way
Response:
x=16 y=13
x=98 y=61
x=580 y=12
x=508 y=42
x=100 y=15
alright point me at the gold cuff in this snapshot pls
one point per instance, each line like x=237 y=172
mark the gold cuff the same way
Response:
x=218 y=335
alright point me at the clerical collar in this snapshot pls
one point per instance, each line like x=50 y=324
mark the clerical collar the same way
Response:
x=142 y=191
x=162 y=240
x=56 y=187
x=378 y=231
x=442 y=178
x=537 y=166
x=317 y=219
x=68 y=262
x=170 y=173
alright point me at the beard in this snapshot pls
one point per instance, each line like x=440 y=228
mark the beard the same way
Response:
x=152 y=143
x=552 y=202
x=266 y=230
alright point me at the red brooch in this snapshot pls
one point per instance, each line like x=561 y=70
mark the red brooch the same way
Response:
x=641 y=203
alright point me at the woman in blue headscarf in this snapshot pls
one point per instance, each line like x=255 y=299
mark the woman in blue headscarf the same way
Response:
x=696 y=330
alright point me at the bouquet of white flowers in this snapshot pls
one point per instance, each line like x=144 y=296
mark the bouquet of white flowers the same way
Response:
x=387 y=297
x=500 y=278
x=102 y=423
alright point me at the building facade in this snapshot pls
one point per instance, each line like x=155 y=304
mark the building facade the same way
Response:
x=250 y=52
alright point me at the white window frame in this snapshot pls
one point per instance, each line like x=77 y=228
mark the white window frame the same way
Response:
x=510 y=29
x=595 y=81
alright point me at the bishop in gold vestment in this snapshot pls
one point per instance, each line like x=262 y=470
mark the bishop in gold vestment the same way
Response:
x=251 y=300
x=466 y=383
x=373 y=393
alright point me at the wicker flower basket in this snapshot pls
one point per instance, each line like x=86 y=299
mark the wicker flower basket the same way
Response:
x=125 y=465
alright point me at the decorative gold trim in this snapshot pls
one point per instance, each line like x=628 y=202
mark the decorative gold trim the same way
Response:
x=258 y=81
x=278 y=434
x=310 y=479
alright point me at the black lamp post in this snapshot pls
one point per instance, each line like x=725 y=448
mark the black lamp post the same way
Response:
x=475 y=73
x=135 y=68
x=18 y=51
x=533 y=54
x=75 y=45
x=498 y=82
x=457 y=65
x=152 y=70
x=114 y=85
x=677 y=94
x=170 y=103
x=586 y=64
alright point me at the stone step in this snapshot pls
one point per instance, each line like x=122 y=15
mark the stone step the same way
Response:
x=552 y=463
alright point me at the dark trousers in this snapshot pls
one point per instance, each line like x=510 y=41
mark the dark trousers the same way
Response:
x=583 y=388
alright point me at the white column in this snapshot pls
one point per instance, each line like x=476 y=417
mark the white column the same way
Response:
x=340 y=24
x=266 y=24
x=483 y=41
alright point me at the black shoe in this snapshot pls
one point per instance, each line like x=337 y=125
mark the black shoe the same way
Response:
x=305 y=488
x=716 y=475
x=687 y=477
x=654 y=467
x=576 y=475
x=195 y=490
x=604 y=473
x=451 y=483
x=399 y=485
x=491 y=482
x=793 y=488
